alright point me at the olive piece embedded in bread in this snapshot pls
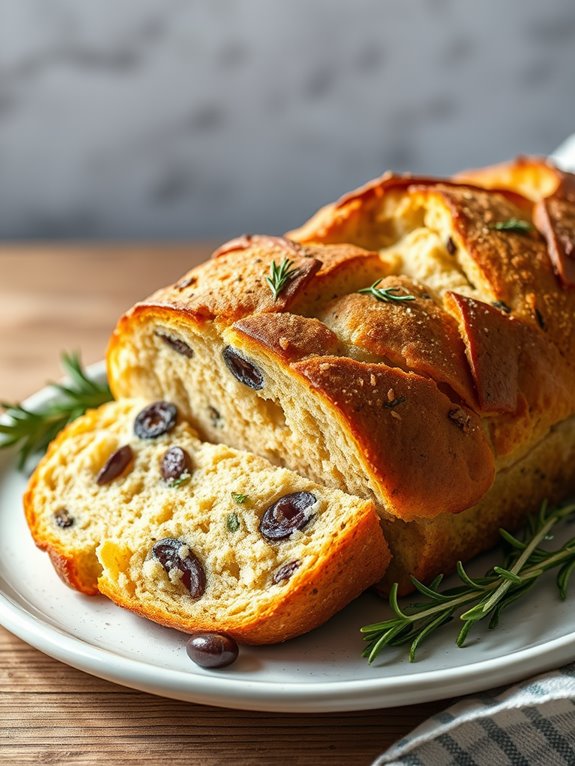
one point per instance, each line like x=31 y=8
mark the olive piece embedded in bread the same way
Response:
x=63 y=518
x=155 y=420
x=180 y=346
x=244 y=371
x=175 y=464
x=287 y=514
x=285 y=572
x=115 y=465
x=177 y=555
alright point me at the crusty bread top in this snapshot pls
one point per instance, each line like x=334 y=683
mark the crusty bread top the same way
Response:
x=481 y=362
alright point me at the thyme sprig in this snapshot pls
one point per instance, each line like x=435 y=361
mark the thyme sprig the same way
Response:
x=31 y=431
x=477 y=598
x=513 y=224
x=386 y=294
x=279 y=276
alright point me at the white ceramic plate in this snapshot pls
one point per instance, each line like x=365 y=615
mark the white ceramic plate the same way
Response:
x=323 y=671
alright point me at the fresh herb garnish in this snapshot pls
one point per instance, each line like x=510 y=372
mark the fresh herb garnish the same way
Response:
x=478 y=598
x=279 y=276
x=513 y=224
x=239 y=498
x=184 y=478
x=232 y=522
x=386 y=294
x=33 y=431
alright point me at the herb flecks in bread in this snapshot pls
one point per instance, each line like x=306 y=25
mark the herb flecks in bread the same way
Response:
x=262 y=565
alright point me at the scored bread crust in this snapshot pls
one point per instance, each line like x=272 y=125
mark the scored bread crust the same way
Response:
x=108 y=547
x=423 y=406
x=355 y=398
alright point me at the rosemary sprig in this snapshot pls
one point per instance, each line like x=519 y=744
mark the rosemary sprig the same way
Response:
x=477 y=598
x=513 y=224
x=386 y=294
x=279 y=276
x=33 y=431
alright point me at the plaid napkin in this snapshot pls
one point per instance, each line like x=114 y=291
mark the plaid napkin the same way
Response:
x=532 y=723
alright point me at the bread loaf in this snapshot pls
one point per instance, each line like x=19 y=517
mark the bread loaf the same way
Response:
x=446 y=394
x=129 y=502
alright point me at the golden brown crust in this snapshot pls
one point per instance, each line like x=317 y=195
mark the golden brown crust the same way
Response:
x=427 y=547
x=72 y=565
x=357 y=559
x=492 y=336
x=72 y=571
x=555 y=219
x=231 y=286
x=417 y=335
x=492 y=351
x=512 y=268
x=553 y=191
x=422 y=434
x=290 y=336
x=530 y=177
x=362 y=216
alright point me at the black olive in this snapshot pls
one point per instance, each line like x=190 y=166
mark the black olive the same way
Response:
x=63 y=518
x=212 y=650
x=286 y=571
x=115 y=465
x=244 y=371
x=178 y=345
x=168 y=552
x=286 y=515
x=175 y=462
x=155 y=420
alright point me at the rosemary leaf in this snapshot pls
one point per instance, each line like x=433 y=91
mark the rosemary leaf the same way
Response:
x=387 y=294
x=238 y=498
x=481 y=597
x=563 y=577
x=32 y=432
x=279 y=276
x=517 y=225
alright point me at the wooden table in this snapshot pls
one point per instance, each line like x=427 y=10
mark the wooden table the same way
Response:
x=55 y=298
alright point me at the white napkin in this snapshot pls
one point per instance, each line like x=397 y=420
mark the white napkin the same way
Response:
x=564 y=155
x=529 y=724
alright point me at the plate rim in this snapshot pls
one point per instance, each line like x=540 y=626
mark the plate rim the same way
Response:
x=208 y=687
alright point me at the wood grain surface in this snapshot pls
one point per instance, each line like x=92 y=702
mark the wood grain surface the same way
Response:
x=66 y=298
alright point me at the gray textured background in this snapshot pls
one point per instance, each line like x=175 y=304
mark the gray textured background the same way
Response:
x=135 y=119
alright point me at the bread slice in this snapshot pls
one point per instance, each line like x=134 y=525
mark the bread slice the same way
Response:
x=192 y=540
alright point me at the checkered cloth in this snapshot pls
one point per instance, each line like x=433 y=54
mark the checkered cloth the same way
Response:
x=529 y=724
